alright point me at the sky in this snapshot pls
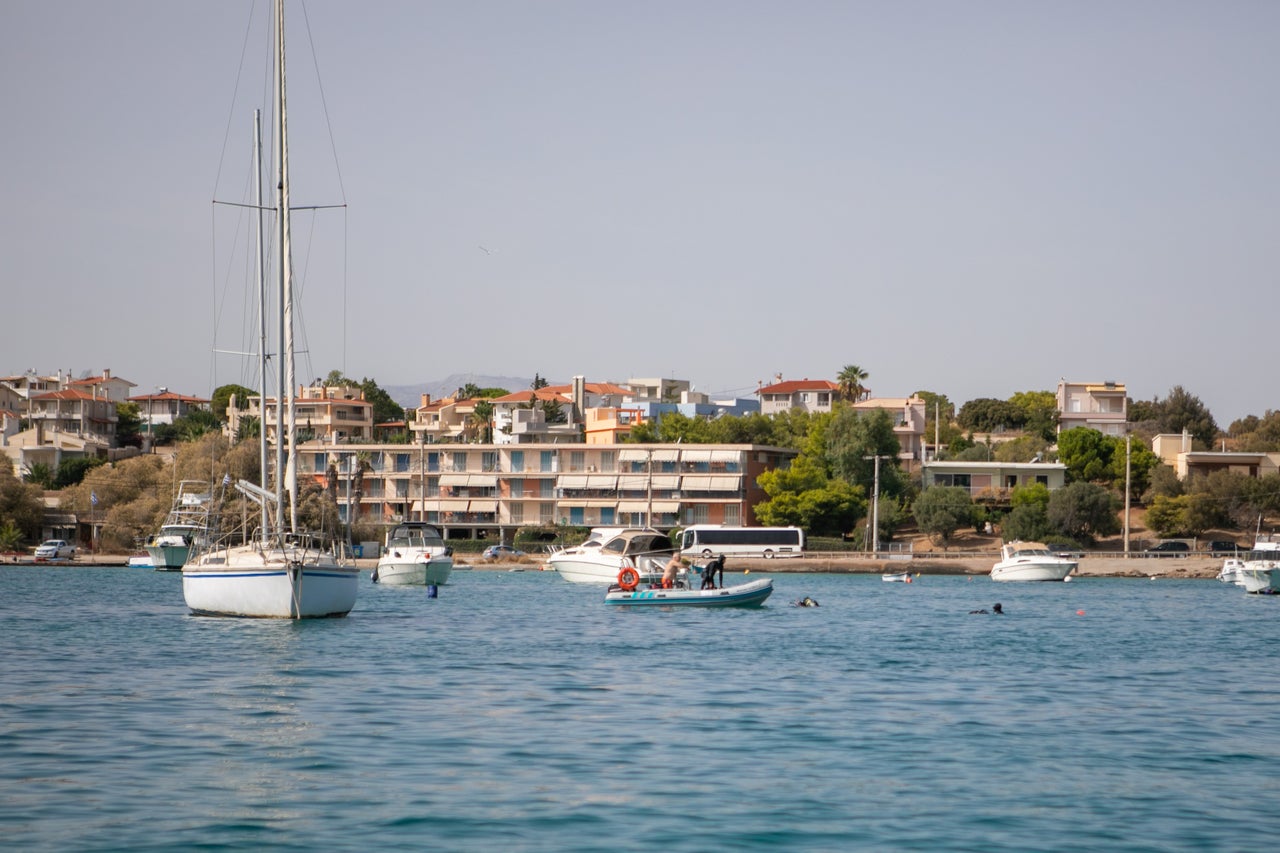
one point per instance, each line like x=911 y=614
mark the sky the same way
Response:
x=973 y=199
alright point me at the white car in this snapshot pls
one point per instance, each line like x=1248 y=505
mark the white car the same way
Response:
x=55 y=549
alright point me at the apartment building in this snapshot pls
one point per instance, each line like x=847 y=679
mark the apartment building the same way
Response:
x=328 y=413
x=474 y=490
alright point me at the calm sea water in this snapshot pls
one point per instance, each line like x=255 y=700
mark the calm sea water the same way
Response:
x=516 y=712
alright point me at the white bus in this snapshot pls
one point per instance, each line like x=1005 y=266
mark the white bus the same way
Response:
x=707 y=540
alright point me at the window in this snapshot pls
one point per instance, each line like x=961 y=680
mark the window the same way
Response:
x=517 y=461
x=733 y=514
x=517 y=513
x=577 y=460
x=459 y=461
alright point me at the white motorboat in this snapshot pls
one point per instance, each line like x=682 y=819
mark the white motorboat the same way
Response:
x=1230 y=571
x=1260 y=571
x=281 y=571
x=186 y=525
x=896 y=577
x=1030 y=561
x=415 y=555
x=645 y=551
x=597 y=537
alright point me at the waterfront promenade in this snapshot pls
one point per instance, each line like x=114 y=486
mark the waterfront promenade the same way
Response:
x=1102 y=564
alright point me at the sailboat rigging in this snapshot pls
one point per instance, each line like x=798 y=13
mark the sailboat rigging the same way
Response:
x=283 y=571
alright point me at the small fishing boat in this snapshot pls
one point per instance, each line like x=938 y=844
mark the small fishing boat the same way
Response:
x=896 y=577
x=186 y=526
x=750 y=594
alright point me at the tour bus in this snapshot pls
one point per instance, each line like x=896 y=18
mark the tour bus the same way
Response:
x=707 y=540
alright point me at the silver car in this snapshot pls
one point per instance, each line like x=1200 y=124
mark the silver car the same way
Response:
x=55 y=549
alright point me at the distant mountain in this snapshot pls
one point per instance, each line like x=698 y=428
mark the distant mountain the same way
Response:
x=410 y=396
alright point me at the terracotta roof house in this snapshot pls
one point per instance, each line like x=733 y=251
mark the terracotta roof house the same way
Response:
x=811 y=395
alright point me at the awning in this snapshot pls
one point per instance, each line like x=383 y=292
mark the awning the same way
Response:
x=724 y=484
x=726 y=455
x=450 y=505
x=696 y=484
x=483 y=480
x=602 y=481
x=632 y=482
x=633 y=454
x=701 y=455
x=572 y=481
x=670 y=455
x=666 y=481
x=454 y=479
x=643 y=506
x=484 y=506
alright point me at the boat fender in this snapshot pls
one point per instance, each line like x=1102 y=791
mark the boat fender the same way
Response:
x=628 y=579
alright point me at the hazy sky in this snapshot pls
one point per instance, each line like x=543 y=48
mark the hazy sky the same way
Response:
x=972 y=198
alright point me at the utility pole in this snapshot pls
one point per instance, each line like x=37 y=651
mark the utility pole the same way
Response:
x=875 y=507
x=1127 y=438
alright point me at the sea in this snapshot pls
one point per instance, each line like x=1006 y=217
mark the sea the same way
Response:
x=515 y=711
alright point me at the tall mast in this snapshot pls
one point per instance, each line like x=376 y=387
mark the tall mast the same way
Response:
x=287 y=476
x=262 y=313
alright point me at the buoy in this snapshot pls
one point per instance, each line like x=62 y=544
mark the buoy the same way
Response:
x=1079 y=612
x=747 y=572
x=628 y=578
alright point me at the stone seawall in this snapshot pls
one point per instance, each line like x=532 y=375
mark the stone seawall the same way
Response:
x=1092 y=566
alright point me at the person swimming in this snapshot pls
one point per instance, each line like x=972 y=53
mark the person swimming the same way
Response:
x=806 y=602
x=995 y=608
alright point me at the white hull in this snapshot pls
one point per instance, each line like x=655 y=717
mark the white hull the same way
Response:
x=168 y=556
x=1033 y=571
x=1259 y=579
x=270 y=583
x=420 y=572
x=585 y=568
x=1230 y=571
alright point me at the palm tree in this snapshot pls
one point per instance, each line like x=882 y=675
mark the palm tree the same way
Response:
x=851 y=379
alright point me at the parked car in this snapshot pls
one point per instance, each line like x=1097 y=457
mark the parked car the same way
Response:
x=1169 y=549
x=494 y=552
x=55 y=549
x=1221 y=548
x=1065 y=549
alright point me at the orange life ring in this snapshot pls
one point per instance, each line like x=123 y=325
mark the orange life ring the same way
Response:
x=628 y=579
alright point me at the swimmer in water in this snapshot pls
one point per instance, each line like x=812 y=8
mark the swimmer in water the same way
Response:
x=806 y=602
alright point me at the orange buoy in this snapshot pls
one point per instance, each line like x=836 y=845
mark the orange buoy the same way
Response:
x=628 y=579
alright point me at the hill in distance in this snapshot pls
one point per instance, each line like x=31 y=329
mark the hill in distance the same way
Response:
x=410 y=396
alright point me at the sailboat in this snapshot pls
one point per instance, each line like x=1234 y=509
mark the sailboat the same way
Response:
x=280 y=571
